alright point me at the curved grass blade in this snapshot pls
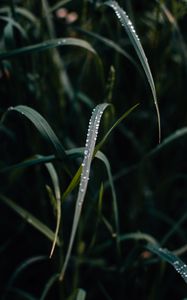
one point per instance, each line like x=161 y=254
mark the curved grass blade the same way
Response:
x=48 y=45
x=36 y=160
x=103 y=157
x=22 y=12
x=43 y=127
x=101 y=143
x=14 y=24
x=109 y=43
x=30 y=219
x=56 y=186
x=88 y=155
x=172 y=259
x=24 y=265
x=127 y=24
x=48 y=285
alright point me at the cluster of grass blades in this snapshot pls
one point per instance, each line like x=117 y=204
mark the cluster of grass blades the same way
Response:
x=102 y=230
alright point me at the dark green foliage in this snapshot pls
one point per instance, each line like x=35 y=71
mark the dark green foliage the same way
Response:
x=60 y=59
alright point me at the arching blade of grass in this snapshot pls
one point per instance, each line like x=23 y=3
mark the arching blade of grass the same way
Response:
x=56 y=186
x=102 y=142
x=48 y=45
x=42 y=126
x=22 y=12
x=36 y=160
x=103 y=157
x=88 y=155
x=127 y=24
x=14 y=24
x=29 y=218
x=109 y=43
x=172 y=259
x=48 y=285
x=23 y=266
x=179 y=133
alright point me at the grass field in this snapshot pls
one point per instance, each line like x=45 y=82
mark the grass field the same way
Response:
x=93 y=135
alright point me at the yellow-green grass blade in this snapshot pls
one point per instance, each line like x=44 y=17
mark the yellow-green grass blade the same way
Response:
x=57 y=192
x=127 y=24
x=29 y=218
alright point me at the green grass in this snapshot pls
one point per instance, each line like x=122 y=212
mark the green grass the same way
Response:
x=103 y=220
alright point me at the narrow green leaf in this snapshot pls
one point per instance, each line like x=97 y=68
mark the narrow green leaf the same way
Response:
x=101 y=143
x=103 y=157
x=42 y=126
x=14 y=24
x=127 y=24
x=48 y=45
x=88 y=155
x=30 y=219
x=172 y=259
x=56 y=186
x=24 y=265
x=22 y=12
x=29 y=162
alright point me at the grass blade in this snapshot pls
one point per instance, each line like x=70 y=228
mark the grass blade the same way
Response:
x=48 y=285
x=81 y=295
x=88 y=155
x=127 y=24
x=56 y=186
x=30 y=219
x=48 y=45
x=172 y=259
x=76 y=177
x=43 y=127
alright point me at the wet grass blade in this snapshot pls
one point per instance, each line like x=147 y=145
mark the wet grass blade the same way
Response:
x=29 y=218
x=172 y=259
x=127 y=24
x=88 y=155
x=42 y=126
x=48 y=45
x=76 y=177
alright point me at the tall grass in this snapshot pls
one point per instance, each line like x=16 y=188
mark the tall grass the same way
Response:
x=101 y=220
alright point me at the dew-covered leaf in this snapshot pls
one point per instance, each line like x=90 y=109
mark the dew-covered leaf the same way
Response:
x=172 y=259
x=88 y=155
x=127 y=24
